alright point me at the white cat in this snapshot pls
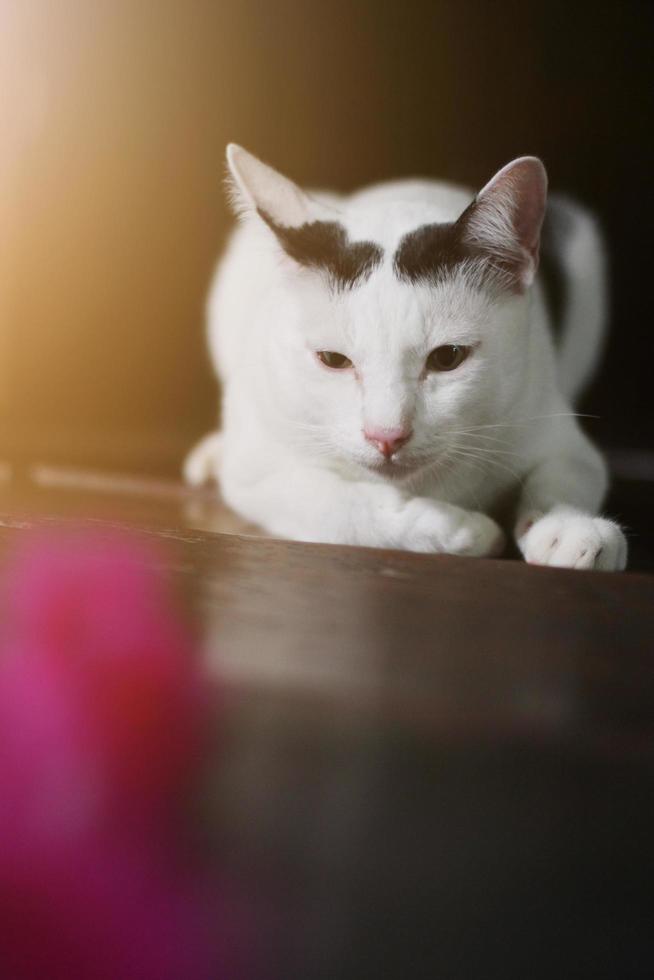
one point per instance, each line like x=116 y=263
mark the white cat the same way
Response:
x=391 y=372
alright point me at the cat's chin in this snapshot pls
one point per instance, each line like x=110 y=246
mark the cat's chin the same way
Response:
x=391 y=470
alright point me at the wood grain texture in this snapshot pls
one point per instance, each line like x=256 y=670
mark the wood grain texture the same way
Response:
x=454 y=643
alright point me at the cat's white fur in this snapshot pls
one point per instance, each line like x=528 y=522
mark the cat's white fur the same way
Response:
x=292 y=455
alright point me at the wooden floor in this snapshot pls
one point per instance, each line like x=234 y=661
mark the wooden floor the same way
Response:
x=434 y=766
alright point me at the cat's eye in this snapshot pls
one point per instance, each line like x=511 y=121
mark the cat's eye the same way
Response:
x=447 y=358
x=332 y=359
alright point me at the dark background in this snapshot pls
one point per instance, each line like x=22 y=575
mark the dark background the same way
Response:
x=115 y=118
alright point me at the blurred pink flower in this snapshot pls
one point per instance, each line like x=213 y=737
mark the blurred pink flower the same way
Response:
x=104 y=725
x=97 y=614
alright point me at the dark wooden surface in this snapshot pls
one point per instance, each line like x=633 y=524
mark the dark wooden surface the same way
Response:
x=433 y=766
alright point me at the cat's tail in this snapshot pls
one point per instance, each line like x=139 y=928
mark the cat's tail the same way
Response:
x=572 y=239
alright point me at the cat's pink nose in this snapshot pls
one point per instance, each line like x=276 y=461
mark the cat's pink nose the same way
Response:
x=388 y=441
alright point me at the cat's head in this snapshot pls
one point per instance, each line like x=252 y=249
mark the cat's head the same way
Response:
x=395 y=322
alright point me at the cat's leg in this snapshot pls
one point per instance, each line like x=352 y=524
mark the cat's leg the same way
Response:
x=201 y=464
x=312 y=504
x=557 y=522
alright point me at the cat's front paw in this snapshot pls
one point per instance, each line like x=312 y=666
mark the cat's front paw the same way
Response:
x=453 y=530
x=476 y=535
x=568 y=539
x=201 y=464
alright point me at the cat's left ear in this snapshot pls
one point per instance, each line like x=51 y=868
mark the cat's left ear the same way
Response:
x=258 y=188
x=507 y=215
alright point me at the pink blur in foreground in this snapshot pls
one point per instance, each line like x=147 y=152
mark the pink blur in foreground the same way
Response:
x=104 y=725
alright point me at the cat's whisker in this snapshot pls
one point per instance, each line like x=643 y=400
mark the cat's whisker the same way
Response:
x=488 y=460
x=486 y=451
x=305 y=426
x=507 y=439
x=527 y=421
x=489 y=450
x=454 y=456
x=479 y=435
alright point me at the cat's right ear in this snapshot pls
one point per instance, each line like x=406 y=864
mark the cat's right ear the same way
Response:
x=257 y=188
x=506 y=217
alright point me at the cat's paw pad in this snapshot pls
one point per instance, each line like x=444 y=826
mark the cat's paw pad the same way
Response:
x=572 y=540
x=201 y=464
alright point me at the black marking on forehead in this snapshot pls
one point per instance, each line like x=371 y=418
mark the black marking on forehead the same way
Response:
x=324 y=245
x=428 y=250
x=434 y=252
